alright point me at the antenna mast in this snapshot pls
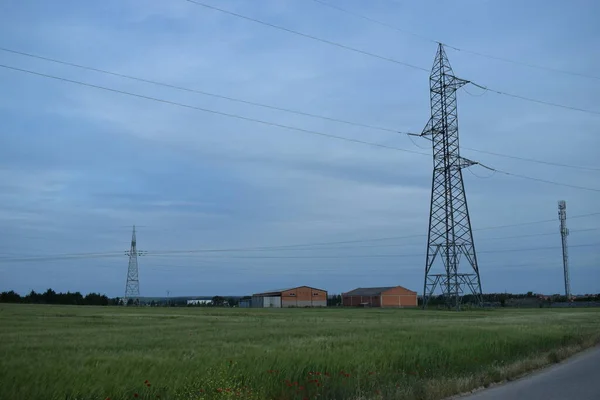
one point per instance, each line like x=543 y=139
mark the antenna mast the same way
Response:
x=564 y=233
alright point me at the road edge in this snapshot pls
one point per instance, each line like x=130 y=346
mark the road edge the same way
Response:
x=571 y=354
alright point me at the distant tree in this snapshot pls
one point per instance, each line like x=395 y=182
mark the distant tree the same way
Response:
x=503 y=300
x=10 y=297
x=334 y=300
x=49 y=297
x=95 y=299
x=232 y=302
x=218 y=301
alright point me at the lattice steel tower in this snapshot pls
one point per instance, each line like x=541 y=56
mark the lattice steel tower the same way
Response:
x=564 y=232
x=450 y=235
x=132 y=287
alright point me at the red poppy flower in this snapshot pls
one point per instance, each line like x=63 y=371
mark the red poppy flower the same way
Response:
x=136 y=395
x=146 y=381
x=148 y=384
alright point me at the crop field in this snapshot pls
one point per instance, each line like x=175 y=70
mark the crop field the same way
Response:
x=76 y=352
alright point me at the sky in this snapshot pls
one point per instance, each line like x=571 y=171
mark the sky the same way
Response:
x=79 y=166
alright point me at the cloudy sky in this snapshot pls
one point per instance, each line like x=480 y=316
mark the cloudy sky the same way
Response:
x=79 y=165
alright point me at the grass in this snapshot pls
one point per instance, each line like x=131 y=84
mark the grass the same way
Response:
x=60 y=352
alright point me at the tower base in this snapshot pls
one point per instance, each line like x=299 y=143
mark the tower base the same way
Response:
x=453 y=288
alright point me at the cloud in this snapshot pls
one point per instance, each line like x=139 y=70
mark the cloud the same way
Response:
x=79 y=166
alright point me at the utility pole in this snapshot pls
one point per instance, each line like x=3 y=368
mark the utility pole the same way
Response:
x=450 y=234
x=132 y=286
x=564 y=232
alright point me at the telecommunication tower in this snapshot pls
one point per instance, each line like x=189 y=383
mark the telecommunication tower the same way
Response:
x=450 y=236
x=132 y=287
x=564 y=232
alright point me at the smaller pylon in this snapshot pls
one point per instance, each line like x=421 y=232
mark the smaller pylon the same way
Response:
x=564 y=232
x=132 y=287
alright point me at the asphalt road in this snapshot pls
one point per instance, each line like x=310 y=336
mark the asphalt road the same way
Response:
x=578 y=378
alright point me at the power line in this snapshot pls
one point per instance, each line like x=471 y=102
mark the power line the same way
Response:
x=303 y=113
x=219 y=96
x=533 y=160
x=273 y=123
x=380 y=57
x=541 y=180
x=395 y=245
x=454 y=47
x=397 y=255
x=284 y=247
x=305 y=35
x=516 y=96
x=213 y=111
x=354 y=255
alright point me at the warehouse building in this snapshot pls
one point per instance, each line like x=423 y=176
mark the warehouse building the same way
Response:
x=393 y=296
x=302 y=296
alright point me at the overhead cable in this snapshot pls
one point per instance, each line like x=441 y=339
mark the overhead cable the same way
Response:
x=305 y=35
x=206 y=110
x=337 y=44
x=291 y=246
x=428 y=39
x=203 y=92
x=237 y=116
x=303 y=113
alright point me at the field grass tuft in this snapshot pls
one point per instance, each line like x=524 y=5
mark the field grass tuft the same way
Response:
x=84 y=353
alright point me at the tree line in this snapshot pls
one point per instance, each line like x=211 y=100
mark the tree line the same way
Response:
x=97 y=299
x=52 y=297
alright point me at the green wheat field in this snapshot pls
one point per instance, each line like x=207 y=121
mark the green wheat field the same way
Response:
x=76 y=352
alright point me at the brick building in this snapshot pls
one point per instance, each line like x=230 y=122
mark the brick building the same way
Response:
x=302 y=296
x=392 y=296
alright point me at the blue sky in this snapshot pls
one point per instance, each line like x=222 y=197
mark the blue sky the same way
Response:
x=79 y=166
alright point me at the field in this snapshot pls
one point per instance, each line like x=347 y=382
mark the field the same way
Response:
x=60 y=352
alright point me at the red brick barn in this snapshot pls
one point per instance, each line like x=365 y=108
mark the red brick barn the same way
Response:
x=301 y=296
x=392 y=296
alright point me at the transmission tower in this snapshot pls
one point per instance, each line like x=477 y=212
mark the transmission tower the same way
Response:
x=450 y=235
x=132 y=287
x=564 y=232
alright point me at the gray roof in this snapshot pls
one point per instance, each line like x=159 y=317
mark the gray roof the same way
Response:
x=275 y=291
x=373 y=291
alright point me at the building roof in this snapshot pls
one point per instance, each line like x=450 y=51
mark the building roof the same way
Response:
x=374 y=291
x=279 y=291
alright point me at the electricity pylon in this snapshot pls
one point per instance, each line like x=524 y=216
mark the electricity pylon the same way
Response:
x=132 y=286
x=450 y=234
x=564 y=232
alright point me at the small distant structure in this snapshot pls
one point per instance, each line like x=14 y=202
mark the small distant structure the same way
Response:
x=246 y=303
x=198 y=302
x=301 y=296
x=389 y=296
